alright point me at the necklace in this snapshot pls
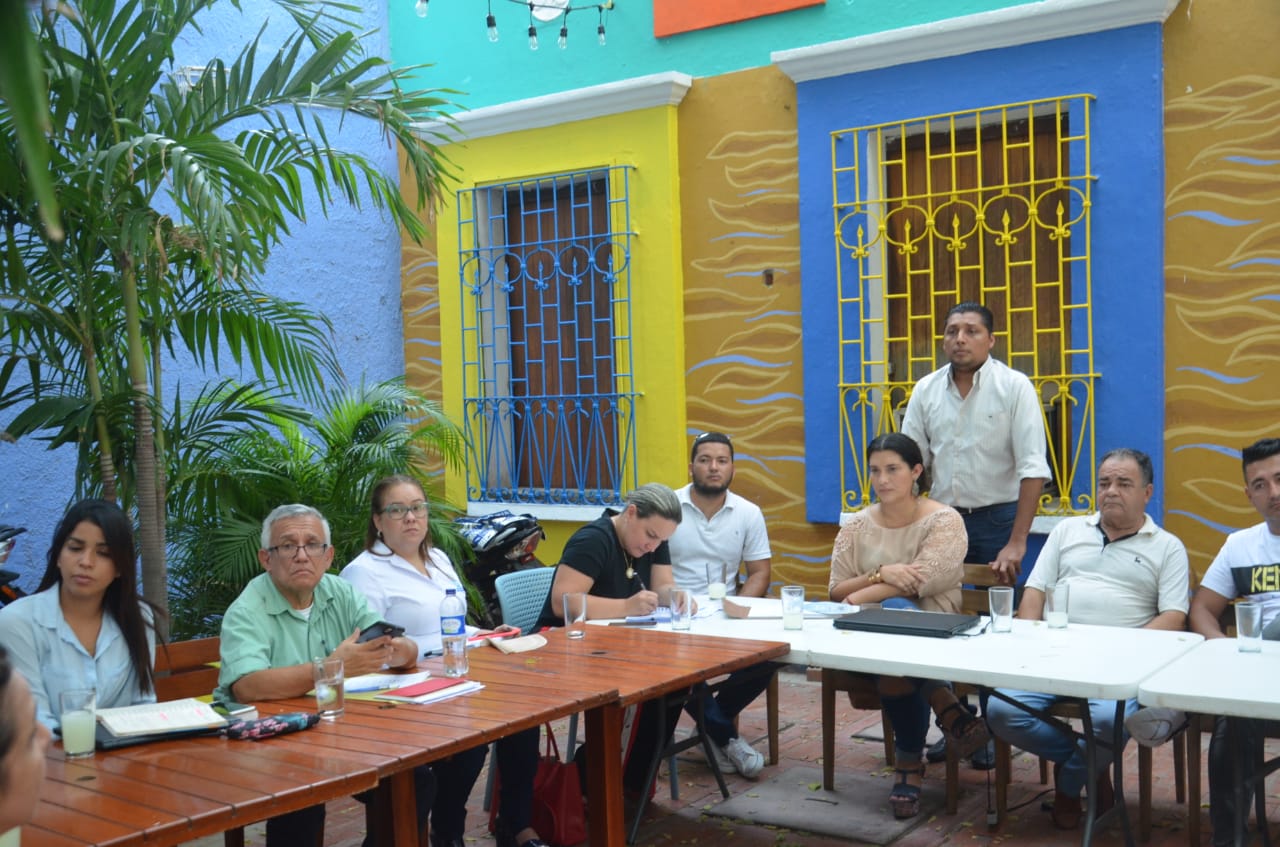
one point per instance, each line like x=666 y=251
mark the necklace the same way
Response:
x=631 y=567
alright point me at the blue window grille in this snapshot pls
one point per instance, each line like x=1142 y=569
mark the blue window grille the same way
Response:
x=548 y=388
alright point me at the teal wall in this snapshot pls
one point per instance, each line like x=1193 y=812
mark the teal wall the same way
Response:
x=452 y=38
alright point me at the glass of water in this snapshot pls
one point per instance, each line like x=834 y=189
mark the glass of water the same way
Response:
x=327 y=673
x=79 y=721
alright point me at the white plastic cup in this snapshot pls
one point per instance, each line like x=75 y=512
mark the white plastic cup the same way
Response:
x=793 y=607
x=1248 y=627
x=330 y=681
x=716 y=585
x=681 y=608
x=1057 y=601
x=1000 y=601
x=575 y=614
x=78 y=719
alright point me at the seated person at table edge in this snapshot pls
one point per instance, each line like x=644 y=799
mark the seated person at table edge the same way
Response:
x=905 y=551
x=1248 y=565
x=285 y=617
x=85 y=627
x=404 y=575
x=1123 y=570
x=23 y=745
x=722 y=529
x=621 y=559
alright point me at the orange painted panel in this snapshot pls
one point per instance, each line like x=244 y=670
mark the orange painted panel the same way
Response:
x=671 y=17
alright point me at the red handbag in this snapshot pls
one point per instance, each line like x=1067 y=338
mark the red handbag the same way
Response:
x=557 y=812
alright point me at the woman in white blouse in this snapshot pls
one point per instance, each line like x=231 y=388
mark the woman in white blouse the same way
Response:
x=85 y=627
x=405 y=577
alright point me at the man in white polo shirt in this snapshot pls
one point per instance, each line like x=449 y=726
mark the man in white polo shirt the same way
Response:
x=1248 y=565
x=727 y=531
x=1123 y=570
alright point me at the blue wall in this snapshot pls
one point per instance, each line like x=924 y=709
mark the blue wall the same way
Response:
x=1123 y=70
x=347 y=266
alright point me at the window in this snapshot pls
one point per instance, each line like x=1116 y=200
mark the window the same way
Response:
x=549 y=402
x=991 y=206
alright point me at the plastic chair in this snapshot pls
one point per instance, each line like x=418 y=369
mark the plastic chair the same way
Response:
x=521 y=596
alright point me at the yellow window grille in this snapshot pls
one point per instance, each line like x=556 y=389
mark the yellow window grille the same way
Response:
x=991 y=205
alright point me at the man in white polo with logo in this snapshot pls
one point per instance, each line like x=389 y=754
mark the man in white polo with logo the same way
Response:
x=727 y=531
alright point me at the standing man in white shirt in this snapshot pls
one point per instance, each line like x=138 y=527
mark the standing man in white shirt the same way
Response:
x=720 y=528
x=979 y=425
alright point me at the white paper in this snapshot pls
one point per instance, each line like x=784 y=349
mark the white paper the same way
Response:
x=153 y=718
x=382 y=681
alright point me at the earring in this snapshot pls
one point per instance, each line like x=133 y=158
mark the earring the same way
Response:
x=915 y=487
x=379 y=535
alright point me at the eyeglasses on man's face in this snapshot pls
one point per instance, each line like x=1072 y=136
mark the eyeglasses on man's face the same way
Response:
x=397 y=511
x=314 y=550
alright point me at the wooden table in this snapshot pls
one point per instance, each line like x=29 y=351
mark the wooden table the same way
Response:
x=167 y=793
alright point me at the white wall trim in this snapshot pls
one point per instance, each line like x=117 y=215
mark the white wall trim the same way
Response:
x=612 y=98
x=1025 y=24
x=567 y=514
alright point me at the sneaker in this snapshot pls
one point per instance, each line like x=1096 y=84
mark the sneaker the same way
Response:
x=937 y=751
x=739 y=757
x=1154 y=726
x=984 y=758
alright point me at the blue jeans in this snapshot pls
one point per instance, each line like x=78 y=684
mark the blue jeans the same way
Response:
x=1025 y=730
x=989 y=532
x=736 y=693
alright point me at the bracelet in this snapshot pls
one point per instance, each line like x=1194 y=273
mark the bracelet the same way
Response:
x=875 y=578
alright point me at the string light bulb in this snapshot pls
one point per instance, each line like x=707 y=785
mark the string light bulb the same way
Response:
x=533 y=37
x=492 y=23
x=421 y=8
x=563 y=41
x=600 y=27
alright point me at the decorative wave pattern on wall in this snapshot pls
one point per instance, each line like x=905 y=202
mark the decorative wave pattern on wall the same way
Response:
x=1222 y=315
x=420 y=305
x=742 y=303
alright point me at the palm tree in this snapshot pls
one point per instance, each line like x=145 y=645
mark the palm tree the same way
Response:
x=171 y=195
x=231 y=476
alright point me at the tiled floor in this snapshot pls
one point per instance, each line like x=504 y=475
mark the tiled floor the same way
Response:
x=684 y=822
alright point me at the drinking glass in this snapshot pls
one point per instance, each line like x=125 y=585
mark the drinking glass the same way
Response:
x=715 y=580
x=330 y=683
x=79 y=721
x=1000 y=601
x=575 y=614
x=681 y=608
x=1248 y=627
x=793 y=607
x=1056 y=601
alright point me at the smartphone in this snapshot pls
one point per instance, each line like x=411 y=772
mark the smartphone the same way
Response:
x=379 y=629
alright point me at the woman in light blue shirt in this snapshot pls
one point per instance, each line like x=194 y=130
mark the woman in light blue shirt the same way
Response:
x=85 y=627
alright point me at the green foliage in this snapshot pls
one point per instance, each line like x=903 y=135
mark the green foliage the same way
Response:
x=171 y=194
x=229 y=477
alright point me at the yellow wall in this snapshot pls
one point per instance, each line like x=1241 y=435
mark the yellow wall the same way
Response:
x=646 y=140
x=739 y=172
x=1222 y=260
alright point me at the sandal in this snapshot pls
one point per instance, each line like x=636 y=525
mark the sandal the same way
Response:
x=905 y=797
x=967 y=731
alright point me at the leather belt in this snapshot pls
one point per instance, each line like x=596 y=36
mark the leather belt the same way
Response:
x=976 y=510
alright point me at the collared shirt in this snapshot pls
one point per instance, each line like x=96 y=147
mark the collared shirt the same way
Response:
x=261 y=630
x=978 y=448
x=1125 y=582
x=1248 y=565
x=733 y=535
x=51 y=658
x=402 y=594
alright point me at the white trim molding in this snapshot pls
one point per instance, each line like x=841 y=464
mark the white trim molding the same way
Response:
x=544 y=513
x=1024 y=24
x=612 y=98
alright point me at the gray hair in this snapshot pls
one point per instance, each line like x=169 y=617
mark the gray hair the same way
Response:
x=291 y=510
x=654 y=498
x=1142 y=460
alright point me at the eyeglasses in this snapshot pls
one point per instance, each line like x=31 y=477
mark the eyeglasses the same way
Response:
x=397 y=511
x=314 y=550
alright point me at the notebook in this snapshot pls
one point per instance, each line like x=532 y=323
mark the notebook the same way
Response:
x=907 y=622
x=106 y=740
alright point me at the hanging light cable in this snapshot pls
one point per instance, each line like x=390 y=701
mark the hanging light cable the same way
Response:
x=533 y=30
x=540 y=11
x=600 y=26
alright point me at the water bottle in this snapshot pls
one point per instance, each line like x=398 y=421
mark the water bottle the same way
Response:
x=453 y=633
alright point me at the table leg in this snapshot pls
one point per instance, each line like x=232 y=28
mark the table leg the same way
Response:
x=393 y=811
x=604 y=766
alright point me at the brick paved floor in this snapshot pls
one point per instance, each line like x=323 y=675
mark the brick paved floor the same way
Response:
x=683 y=822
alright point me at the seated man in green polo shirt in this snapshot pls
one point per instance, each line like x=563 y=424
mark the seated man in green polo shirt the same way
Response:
x=286 y=617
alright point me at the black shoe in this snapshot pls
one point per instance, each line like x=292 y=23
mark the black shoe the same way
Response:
x=937 y=751
x=984 y=758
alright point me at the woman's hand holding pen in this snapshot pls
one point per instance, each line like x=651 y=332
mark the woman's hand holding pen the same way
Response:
x=643 y=602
